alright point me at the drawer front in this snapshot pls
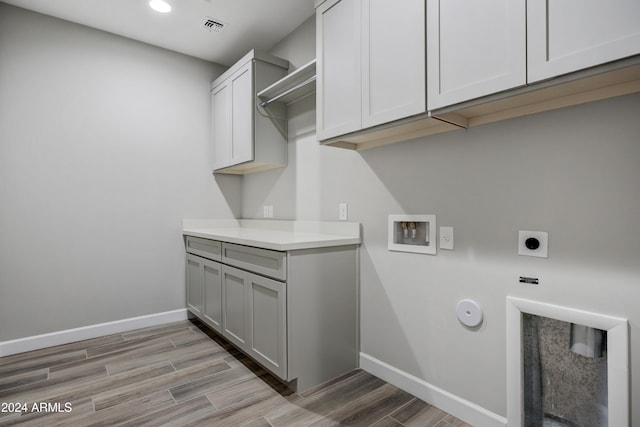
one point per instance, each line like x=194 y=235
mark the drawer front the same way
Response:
x=262 y=261
x=205 y=248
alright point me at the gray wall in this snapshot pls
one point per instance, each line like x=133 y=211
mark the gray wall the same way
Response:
x=572 y=172
x=103 y=151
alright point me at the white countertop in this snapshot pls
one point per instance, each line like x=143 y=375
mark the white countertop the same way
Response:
x=275 y=234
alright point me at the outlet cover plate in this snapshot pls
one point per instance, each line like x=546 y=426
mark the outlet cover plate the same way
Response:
x=343 y=213
x=446 y=238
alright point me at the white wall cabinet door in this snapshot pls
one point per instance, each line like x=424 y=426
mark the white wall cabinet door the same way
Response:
x=232 y=110
x=235 y=312
x=212 y=285
x=393 y=60
x=221 y=125
x=242 y=102
x=339 y=81
x=474 y=49
x=195 y=296
x=268 y=324
x=371 y=64
x=570 y=35
x=204 y=290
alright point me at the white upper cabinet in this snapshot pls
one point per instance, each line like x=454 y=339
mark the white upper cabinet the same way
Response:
x=371 y=64
x=393 y=60
x=243 y=139
x=474 y=48
x=339 y=81
x=485 y=61
x=570 y=35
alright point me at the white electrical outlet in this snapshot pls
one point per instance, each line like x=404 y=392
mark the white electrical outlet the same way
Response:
x=267 y=211
x=343 y=214
x=446 y=238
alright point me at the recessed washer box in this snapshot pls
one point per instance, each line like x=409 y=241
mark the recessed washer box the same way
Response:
x=412 y=233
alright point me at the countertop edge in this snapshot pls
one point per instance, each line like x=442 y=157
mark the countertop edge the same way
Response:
x=282 y=247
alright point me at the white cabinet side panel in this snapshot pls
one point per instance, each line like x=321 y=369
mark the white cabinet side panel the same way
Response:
x=242 y=115
x=322 y=300
x=194 y=284
x=221 y=126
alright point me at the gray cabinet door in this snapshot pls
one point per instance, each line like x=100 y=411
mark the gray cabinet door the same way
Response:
x=339 y=84
x=566 y=36
x=194 y=285
x=268 y=323
x=393 y=60
x=212 y=284
x=235 y=314
x=474 y=49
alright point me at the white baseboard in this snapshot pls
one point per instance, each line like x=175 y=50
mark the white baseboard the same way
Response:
x=467 y=411
x=37 y=342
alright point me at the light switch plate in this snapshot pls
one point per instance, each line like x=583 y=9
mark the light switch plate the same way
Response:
x=446 y=238
x=343 y=213
x=542 y=251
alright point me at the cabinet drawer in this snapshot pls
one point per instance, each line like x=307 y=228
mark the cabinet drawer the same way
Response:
x=262 y=261
x=204 y=247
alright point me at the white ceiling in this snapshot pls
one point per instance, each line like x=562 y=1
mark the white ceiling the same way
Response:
x=252 y=24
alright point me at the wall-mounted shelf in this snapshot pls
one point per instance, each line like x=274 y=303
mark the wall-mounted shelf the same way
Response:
x=291 y=87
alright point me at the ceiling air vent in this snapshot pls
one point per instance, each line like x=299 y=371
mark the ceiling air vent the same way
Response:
x=214 y=25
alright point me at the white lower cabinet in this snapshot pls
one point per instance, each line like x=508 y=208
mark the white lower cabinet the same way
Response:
x=254 y=310
x=195 y=296
x=301 y=323
x=204 y=291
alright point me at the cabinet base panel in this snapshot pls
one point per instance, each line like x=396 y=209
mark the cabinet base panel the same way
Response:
x=403 y=130
x=589 y=86
x=248 y=168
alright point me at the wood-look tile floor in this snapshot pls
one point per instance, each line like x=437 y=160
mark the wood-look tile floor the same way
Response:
x=181 y=374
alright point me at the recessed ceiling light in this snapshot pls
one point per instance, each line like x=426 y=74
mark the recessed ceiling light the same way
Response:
x=160 y=6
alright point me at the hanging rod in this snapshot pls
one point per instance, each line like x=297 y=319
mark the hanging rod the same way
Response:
x=288 y=91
